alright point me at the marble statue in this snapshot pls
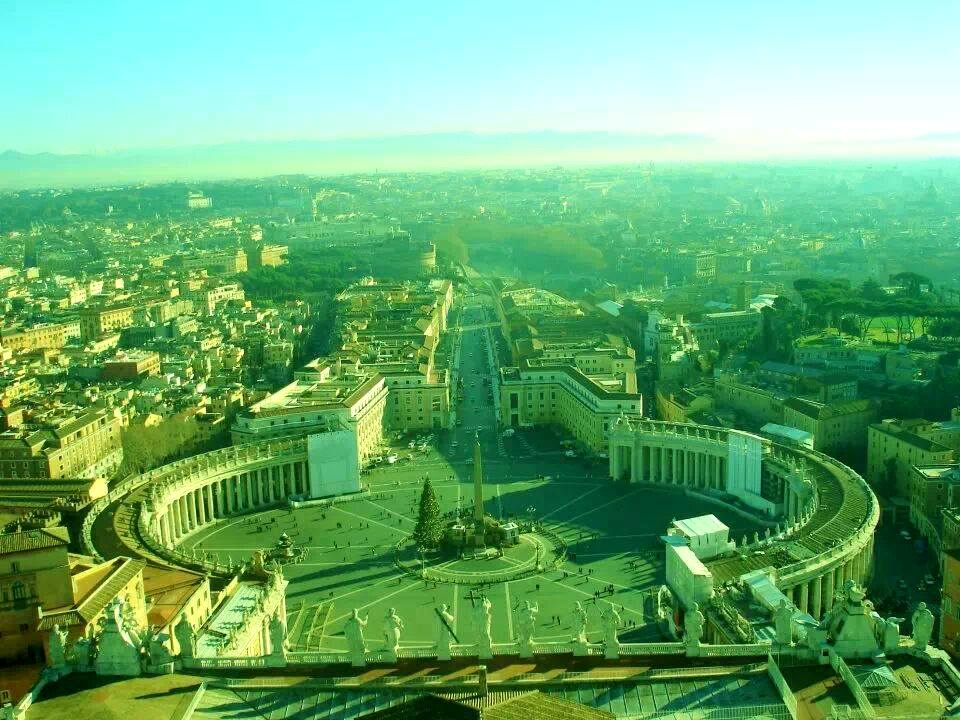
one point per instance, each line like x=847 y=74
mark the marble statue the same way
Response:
x=483 y=622
x=526 y=623
x=118 y=652
x=183 y=632
x=353 y=631
x=157 y=648
x=783 y=623
x=693 y=625
x=444 y=623
x=57 y=655
x=278 y=635
x=392 y=625
x=922 y=621
x=579 y=623
x=610 y=622
x=891 y=633
x=83 y=651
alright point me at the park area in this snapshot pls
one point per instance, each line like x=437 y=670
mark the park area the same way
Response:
x=610 y=533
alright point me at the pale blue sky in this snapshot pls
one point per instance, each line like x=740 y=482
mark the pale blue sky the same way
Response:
x=85 y=75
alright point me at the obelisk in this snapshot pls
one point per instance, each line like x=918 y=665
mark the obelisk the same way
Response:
x=478 y=529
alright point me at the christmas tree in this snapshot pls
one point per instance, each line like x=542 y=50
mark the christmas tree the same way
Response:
x=429 y=530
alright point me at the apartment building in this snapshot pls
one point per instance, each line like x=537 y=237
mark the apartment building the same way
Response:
x=97 y=321
x=42 y=585
x=67 y=445
x=894 y=446
x=325 y=395
x=541 y=393
x=131 y=365
x=39 y=337
x=835 y=426
x=731 y=328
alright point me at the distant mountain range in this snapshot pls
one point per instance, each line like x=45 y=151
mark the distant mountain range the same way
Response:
x=442 y=151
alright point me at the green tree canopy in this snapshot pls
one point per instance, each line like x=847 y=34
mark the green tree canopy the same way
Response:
x=429 y=530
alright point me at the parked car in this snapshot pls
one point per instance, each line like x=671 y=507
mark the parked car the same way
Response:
x=392 y=459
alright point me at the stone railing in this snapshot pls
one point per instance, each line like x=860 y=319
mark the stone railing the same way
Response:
x=215 y=461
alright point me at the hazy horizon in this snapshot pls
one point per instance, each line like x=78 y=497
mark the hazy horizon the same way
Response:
x=105 y=77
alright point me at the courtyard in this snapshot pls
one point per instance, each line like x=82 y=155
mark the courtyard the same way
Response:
x=613 y=554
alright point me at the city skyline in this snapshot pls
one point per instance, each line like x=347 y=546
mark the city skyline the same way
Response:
x=758 y=82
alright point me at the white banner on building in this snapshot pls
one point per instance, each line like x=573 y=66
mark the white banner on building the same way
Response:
x=332 y=462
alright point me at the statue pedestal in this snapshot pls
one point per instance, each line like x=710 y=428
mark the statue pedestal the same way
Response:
x=443 y=652
x=611 y=651
x=484 y=651
x=357 y=659
x=692 y=649
x=581 y=648
x=526 y=649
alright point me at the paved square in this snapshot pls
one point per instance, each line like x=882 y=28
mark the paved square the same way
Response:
x=611 y=531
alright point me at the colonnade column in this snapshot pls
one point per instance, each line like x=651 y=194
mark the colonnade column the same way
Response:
x=828 y=590
x=191 y=509
x=247 y=496
x=177 y=508
x=804 y=597
x=212 y=500
x=815 y=607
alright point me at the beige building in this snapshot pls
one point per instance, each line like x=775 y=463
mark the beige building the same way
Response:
x=43 y=585
x=540 y=393
x=38 y=337
x=75 y=446
x=894 y=446
x=97 y=321
x=325 y=395
x=835 y=427
x=728 y=327
x=932 y=488
x=759 y=405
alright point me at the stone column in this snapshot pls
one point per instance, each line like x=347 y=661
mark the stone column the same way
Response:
x=804 y=597
x=213 y=496
x=828 y=590
x=248 y=491
x=201 y=506
x=815 y=602
x=674 y=466
x=229 y=487
x=178 y=516
x=267 y=472
x=638 y=461
x=192 y=508
x=664 y=477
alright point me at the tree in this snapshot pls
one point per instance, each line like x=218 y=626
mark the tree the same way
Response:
x=912 y=282
x=429 y=530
